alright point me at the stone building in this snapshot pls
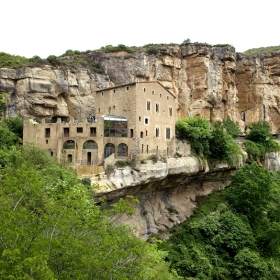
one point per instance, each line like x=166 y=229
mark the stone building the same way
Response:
x=131 y=120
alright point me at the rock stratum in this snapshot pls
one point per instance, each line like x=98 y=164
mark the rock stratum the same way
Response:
x=213 y=82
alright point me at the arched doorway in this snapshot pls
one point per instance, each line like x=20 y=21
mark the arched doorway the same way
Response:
x=70 y=158
x=90 y=153
x=122 y=150
x=109 y=149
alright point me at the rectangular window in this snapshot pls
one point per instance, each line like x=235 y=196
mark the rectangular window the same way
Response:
x=167 y=133
x=148 y=105
x=79 y=130
x=66 y=131
x=157 y=132
x=144 y=89
x=146 y=121
x=93 y=131
x=157 y=108
x=146 y=132
x=170 y=111
x=131 y=133
x=127 y=88
x=139 y=119
x=167 y=97
x=153 y=92
x=47 y=132
x=141 y=134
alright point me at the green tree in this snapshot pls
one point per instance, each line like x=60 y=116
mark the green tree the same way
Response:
x=232 y=128
x=259 y=131
x=223 y=147
x=50 y=227
x=197 y=131
x=250 y=192
x=15 y=125
x=249 y=265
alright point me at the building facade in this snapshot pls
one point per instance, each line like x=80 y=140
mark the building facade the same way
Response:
x=131 y=120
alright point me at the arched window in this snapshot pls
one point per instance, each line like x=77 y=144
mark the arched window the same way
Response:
x=109 y=149
x=70 y=144
x=122 y=150
x=90 y=145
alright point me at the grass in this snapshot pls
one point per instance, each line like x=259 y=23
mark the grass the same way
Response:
x=262 y=50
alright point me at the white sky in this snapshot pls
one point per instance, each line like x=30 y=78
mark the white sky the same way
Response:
x=45 y=27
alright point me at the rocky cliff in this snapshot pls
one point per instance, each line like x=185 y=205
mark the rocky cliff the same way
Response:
x=213 y=82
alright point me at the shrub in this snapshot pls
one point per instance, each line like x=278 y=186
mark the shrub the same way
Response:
x=223 y=147
x=53 y=60
x=197 y=131
x=259 y=131
x=153 y=158
x=232 y=128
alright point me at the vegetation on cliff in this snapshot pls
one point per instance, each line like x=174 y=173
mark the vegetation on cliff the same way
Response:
x=214 y=143
x=259 y=141
x=234 y=233
x=52 y=229
x=262 y=50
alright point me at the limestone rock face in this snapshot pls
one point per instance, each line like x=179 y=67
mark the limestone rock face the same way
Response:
x=42 y=93
x=166 y=192
x=212 y=82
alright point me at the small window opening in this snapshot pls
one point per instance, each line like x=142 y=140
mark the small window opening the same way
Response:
x=47 y=141
x=51 y=154
x=167 y=97
x=127 y=88
x=157 y=108
x=139 y=119
x=102 y=93
x=167 y=133
x=79 y=129
x=153 y=92
x=160 y=95
x=47 y=132
x=146 y=121
x=148 y=105
x=144 y=89
x=146 y=132
x=157 y=132
x=170 y=111
x=131 y=133
x=114 y=91
x=66 y=131
x=142 y=148
x=147 y=150
x=93 y=131
x=141 y=134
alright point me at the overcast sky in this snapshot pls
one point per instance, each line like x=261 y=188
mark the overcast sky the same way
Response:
x=37 y=27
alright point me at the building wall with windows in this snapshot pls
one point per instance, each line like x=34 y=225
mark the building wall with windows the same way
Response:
x=130 y=120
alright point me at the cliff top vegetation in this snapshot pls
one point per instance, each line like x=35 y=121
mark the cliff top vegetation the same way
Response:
x=262 y=50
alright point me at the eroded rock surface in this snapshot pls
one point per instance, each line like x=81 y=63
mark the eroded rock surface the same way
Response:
x=212 y=82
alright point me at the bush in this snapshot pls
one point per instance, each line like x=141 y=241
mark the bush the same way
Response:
x=197 y=131
x=259 y=131
x=232 y=128
x=53 y=60
x=223 y=147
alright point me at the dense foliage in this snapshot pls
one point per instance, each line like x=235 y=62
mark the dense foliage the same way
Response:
x=52 y=229
x=215 y=143
x=260 y=141
x=234 y=234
